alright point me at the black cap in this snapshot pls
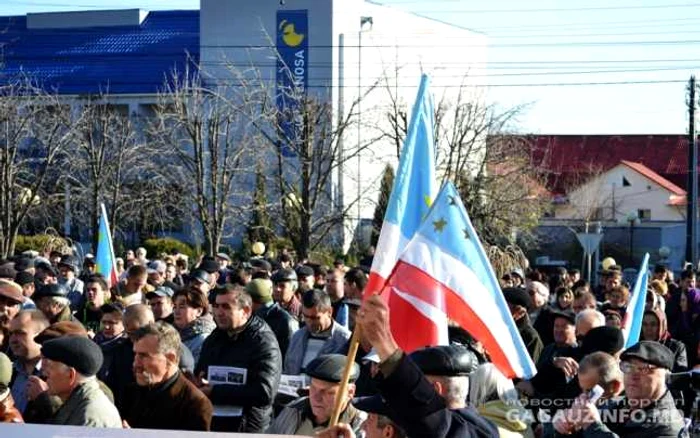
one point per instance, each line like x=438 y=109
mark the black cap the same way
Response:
x=23 y=278
x=201 y=276
x=8 y=271
x=305 y=271
x=373 y=404
x=23 y=263
x=161 y=291
x=445 y=360
x=330 y=367
x=650 y=352
x=569 y=316
x=76 y=352
x=69 y=261
x=209 y=265
x=284 y=275
x=606 y=339
x=518 y=297
x=51 y=290
x=261 y=264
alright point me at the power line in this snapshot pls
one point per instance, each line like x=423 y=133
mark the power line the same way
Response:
x=539 y=10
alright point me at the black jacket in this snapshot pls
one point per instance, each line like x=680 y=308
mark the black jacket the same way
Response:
x=530 y=337
x=417 y=408
x=255 y=349
x=281 y=323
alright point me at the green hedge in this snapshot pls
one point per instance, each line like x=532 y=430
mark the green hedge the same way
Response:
x=41 y=243
x=156 y=247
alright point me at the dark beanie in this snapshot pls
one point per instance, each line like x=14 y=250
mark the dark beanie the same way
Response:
x=606 y=339
x=76 y=352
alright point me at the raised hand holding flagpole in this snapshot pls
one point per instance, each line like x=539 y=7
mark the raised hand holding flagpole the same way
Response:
x=414 y=188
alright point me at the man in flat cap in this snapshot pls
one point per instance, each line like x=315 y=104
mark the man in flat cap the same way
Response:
x=379 y=423
x=11 y=299
x=647 y=410
x=162 y=397
x=428 y=389
x=52 y=299
x=285 y=292
x=224 y=261
x=281 y=322
x=519 y=303
x=70 y=364
x=311 y=414
x=305 y=276
x=161 y=302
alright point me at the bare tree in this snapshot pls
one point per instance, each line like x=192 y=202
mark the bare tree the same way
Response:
x=36 y=129
x=501 y=189
x=211 y=140
x=111 y=162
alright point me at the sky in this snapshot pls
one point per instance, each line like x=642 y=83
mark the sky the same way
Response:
x=581 y=67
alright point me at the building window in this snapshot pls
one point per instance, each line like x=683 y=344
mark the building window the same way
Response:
x=599 y=214
x=644 y=214
x=625 y=182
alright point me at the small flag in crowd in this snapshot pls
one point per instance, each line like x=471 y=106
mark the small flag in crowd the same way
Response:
x=414 y=187
x=445 y=273
x=106 y=263
x=632 y=324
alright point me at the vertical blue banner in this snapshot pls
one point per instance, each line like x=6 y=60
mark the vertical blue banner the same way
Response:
x=292 y=74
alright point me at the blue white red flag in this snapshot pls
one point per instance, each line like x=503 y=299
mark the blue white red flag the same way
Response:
x=414 y=187
x=632 y=323
x=105 y=261
x=445 y=273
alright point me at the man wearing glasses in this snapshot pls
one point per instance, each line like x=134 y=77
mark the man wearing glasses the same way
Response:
x=648 y=409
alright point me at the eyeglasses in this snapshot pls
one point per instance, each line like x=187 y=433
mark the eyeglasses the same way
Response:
x=628 y=368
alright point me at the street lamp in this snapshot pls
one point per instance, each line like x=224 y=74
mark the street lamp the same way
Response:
x=632 y=219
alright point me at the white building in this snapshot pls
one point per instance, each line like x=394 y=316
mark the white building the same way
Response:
x=340 y=50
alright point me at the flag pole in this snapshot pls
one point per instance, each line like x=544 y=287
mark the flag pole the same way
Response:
x=345 y=382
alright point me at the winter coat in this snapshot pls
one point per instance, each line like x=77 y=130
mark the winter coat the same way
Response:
x=176 y=404
x=194 y=334
x=88 y=406
x=254 y=348
x=294 y=414
x=297 y=347
x=283 y=325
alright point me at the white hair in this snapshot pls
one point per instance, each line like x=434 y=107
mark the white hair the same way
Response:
x=595 y=316
x=60 y=301
x=488 y=384
x=456 y=390
x=540 y=289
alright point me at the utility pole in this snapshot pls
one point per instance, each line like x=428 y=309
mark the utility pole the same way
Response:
x=691 y=242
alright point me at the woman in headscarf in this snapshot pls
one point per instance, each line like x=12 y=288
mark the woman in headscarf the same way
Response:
x=654 y=328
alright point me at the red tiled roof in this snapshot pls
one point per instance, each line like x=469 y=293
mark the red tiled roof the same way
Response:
x=566 y=159
x=655 y=177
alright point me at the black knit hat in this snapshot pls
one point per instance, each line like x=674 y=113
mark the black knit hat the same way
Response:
x=76 y=352
x=606 y=339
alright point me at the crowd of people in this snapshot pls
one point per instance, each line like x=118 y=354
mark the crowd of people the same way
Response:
x=261 y=346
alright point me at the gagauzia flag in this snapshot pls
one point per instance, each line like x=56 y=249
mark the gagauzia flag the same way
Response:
x=415 y=185
x=632 y=323
x=105 y=261
x=444 y=273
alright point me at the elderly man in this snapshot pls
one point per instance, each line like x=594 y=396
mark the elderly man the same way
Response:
x=27 y=353
x=281 y=322
x=586 y=320
x=284 y=292
x=161 y=302
x=52 y=299
x=11 y=299
x=309 y=415
x=240 y=340
x=70 y=364
x=320 y=335
x=162 y=397
x=428 y=389
x=648 y=409
x=379 y=423
x=564 y=339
